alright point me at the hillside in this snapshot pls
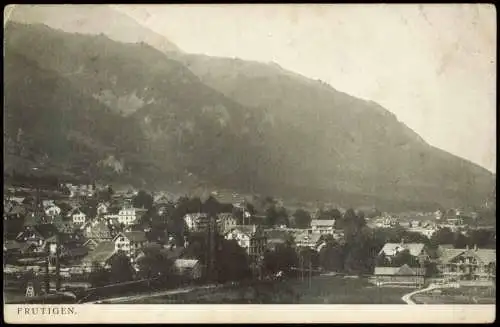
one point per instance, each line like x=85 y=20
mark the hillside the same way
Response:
x=127 y=102
x=253 y=127
x=351 y=144
x=93 y=20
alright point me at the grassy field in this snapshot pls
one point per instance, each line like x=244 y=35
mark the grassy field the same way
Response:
x=462 y=295
x=322 y=290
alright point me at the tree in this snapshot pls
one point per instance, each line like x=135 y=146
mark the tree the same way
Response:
x=483 y=238
x=282 y=217
x=212 y=206
x=442 y=236
x=331 y=256
x=98 y=276
x=461 y=241
x=283 y=258
x=382 y=260
x=271 y=216
x=302 y=219
x=154 y=263
x=143 y=200
x=121 y=269
x=308 y=258
x=232 y=262
x=329 y=214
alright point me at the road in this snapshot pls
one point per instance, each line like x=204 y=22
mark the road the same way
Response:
x=155 y=294
x=407 y=297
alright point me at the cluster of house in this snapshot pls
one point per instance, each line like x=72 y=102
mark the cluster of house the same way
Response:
x=469 y=265
x=90 y=237
x=428 y=223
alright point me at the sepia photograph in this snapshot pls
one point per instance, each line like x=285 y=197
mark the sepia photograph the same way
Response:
x=233 y=159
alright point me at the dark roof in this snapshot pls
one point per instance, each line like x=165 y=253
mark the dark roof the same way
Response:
x=101 y=253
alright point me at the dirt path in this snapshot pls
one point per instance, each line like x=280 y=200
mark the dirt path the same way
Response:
x=407 y=297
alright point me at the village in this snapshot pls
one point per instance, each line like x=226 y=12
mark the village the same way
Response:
x=75 y=239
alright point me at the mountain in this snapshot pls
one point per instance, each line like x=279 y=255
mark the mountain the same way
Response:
x=158 y=117
x=127 y=106
x=345 y=143
x=93 y=20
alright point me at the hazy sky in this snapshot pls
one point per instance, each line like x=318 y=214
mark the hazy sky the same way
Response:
x=434 y=66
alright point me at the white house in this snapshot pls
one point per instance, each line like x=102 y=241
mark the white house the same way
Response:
x=323 y=226
x=77 y=216
x=129 y=215
x=52 y=210
x=226 y=222
x=250 y=238
x=196 y=221
x=130 y=242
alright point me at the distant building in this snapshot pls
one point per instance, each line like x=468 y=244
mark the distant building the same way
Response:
x=323 y=227
x=197 y=222
x=77 y=216
x=226 y=222
x=251 y=238
x=404 y=275
x=418 y=250
x=130 y=242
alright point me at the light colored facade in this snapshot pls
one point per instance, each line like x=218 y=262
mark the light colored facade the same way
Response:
x=197 y=222
x=324 y=227
x=130 y=242
x=226 y=222
x=250 y=238
x=468 y=264
x=52 y=210
x=78 y=217
x=418 y=250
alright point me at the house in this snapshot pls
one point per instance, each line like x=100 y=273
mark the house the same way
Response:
x=100 y=256
x=323 y=226
x=129 y=215
x=399 y=275
x=418 y=250
x=467 y=264
x=14 y=210
x=77 y=216
x=197 y=222
x=226 y=221
x=308 y=240
x=102 y=208
x=130 y=242
x=91 y=244
x=52 y=210
x=97 y=230
x=188 y=268
x=251 y=238
x=36 y=237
